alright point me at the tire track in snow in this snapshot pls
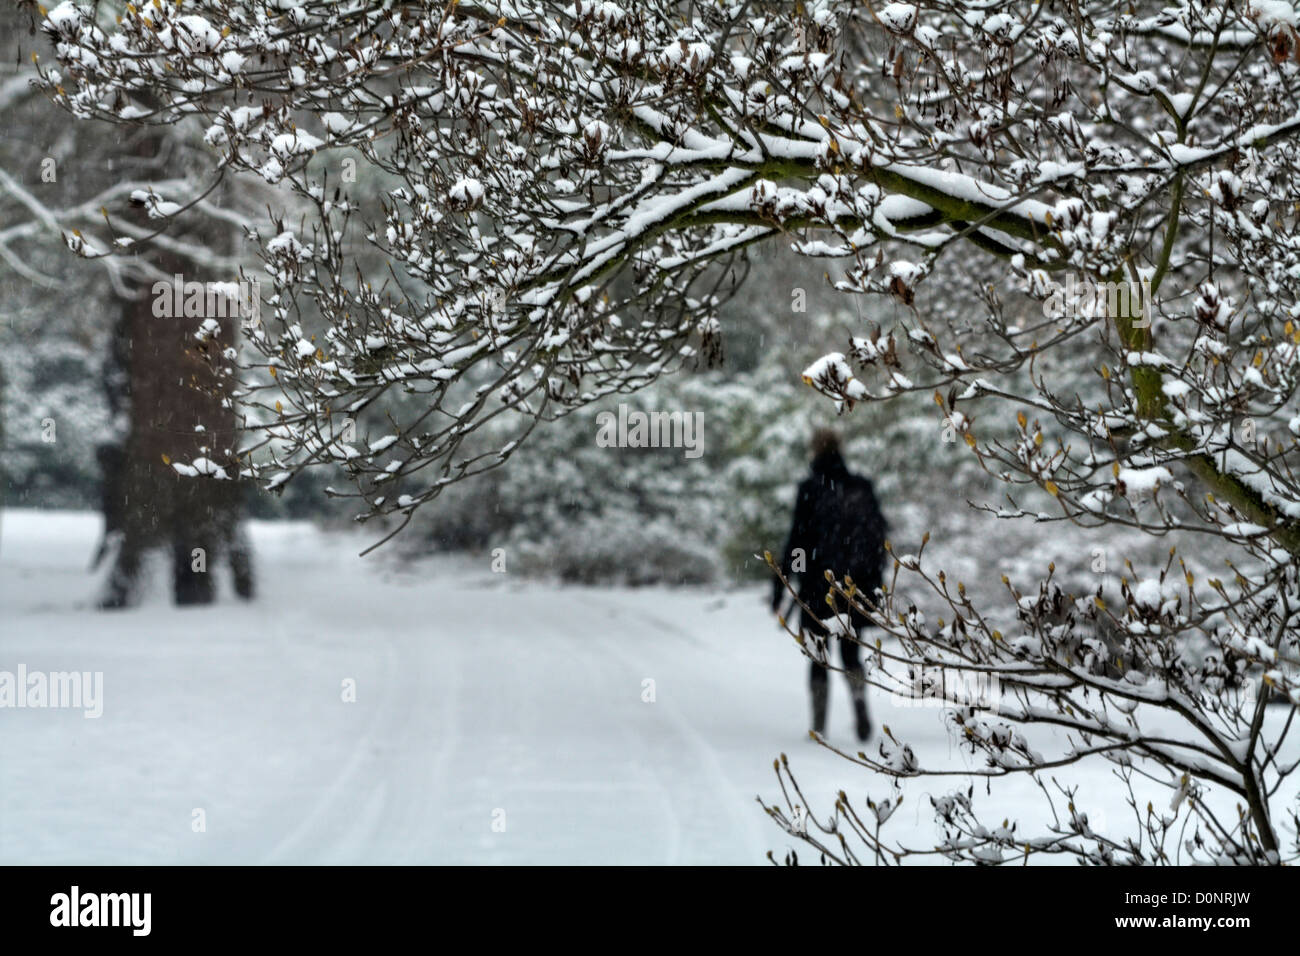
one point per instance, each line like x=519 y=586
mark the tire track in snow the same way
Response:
x=706 y=753
x=376 y=805
x=645 y=771
x=318 y=827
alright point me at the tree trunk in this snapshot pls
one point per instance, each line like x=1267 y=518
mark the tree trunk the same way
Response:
x=160 y=388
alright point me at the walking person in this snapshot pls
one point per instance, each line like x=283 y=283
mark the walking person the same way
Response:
x=838 y=527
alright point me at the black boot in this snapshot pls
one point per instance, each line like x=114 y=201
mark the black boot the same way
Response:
x=863 y=721
x=241 y=567
x=820 y=696
x=190 y=585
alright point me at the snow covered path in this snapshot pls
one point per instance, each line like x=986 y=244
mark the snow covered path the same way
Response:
x=474 y=704
x=495 y=720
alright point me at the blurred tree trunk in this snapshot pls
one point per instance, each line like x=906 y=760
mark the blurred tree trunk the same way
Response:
x=159 y=388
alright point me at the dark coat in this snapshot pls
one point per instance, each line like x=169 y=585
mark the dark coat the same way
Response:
x=839 y=526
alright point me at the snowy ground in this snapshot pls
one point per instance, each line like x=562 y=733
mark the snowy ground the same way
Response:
x=495 y=721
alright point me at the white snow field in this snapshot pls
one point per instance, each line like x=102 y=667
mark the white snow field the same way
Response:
x=496 y=720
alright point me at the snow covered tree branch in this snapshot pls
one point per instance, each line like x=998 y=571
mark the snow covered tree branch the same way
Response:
x=571 y=182
x=1159 y=684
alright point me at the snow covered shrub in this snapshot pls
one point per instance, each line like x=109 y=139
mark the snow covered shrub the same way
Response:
x=622 y=548
x=51 y=420
x=585 y=513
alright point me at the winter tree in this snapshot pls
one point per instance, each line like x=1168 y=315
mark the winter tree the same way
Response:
x=143 y=372
x=573 y=186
